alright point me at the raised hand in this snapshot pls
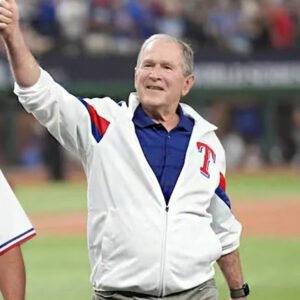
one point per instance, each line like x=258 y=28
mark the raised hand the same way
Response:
x=9 y=18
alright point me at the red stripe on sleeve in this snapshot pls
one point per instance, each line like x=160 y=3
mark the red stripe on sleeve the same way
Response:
x=18 y=243
x=100 y=123
x=222 y=183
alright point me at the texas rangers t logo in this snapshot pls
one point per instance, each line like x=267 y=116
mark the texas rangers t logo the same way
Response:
x=208 y=155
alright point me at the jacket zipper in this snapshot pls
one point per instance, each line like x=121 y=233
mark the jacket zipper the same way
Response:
x=163 y=254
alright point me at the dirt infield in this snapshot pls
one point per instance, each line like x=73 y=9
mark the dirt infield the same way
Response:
x=266 y=219
x=259 y=219
x=63 y=224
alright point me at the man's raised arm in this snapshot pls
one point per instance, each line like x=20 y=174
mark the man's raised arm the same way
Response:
x=23 y=65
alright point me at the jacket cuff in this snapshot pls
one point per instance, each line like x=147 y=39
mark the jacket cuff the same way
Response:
x=43 y=80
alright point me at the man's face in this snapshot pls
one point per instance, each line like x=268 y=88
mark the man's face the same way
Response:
x=159 y=78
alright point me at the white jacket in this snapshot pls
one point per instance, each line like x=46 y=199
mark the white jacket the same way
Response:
x=15 y=227
x=135 y=242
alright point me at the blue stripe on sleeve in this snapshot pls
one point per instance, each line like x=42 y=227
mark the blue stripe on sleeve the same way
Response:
x=16 y=238
x=222 y=195
x=95 y=131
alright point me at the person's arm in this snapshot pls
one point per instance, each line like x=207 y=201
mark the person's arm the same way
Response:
x=15 y=229
x=65 y=116
x=23 y=65
x=231 y=268
x=228 y=230
x=12 y=275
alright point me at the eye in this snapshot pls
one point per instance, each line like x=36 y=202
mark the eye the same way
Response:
x=167 y=67
x=147 y=65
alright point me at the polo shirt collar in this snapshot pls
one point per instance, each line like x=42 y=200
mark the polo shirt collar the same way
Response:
x=202 y=126
x=142 y=120
x=185 y=122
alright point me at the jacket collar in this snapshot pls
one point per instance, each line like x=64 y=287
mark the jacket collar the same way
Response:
x=203 y=125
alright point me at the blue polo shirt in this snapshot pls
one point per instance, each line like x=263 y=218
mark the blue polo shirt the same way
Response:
x=165 y=151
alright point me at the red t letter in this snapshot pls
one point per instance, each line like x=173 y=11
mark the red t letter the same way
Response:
x=208 y=153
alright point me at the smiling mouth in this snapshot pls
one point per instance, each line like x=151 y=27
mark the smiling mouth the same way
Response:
x=154 y=88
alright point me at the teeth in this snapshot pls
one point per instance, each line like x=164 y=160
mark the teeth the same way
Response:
x=154 y=88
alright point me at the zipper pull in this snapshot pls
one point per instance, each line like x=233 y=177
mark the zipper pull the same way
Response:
x=167 y=208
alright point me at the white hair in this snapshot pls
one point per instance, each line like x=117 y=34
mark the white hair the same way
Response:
x=187 y=51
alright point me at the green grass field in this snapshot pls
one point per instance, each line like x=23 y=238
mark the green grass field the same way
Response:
x=270 y=188
x=57 y=267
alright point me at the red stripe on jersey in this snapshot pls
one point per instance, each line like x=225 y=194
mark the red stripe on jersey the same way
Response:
x=18 y=243
x=222 y=183
x=100 y=123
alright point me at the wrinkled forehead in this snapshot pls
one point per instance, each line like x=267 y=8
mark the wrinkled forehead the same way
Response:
x=163 y=49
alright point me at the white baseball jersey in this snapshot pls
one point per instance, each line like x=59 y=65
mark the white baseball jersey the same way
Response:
x=135 y=242
x=15 y=227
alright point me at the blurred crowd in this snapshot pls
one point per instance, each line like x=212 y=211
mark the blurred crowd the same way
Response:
x=119 y=26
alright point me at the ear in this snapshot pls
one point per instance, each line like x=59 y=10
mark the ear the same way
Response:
x=188 y=84
x=135 y=76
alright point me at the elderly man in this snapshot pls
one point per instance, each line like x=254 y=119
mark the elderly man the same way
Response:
x=15 y=229
x=158 y=215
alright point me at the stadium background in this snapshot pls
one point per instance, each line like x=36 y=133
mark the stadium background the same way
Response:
x=248 y=83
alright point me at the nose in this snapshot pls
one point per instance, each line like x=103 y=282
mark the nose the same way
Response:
x=155 y=73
